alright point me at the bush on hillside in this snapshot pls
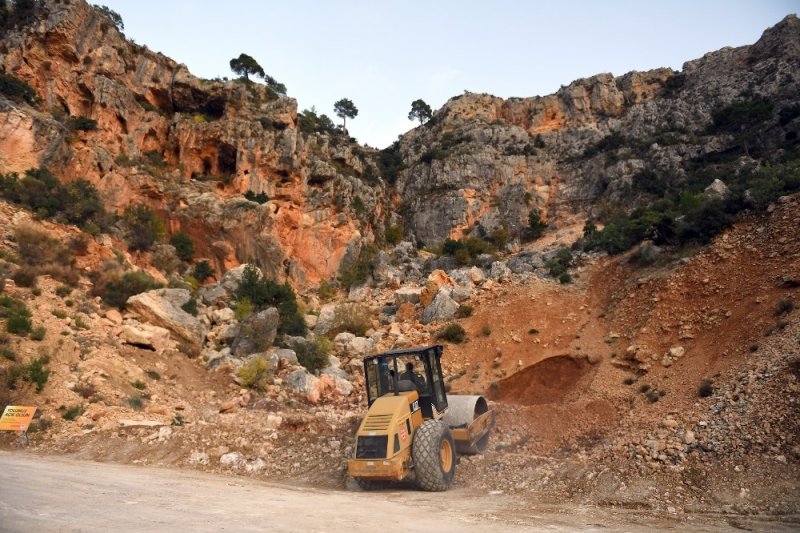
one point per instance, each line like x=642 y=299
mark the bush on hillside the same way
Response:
x=202 y=271
x=264 y=293
x=77 y=202
x=353 y=318
x=17 y=90
x=117 y=291
x=143 y=227
x=184 y=246
x=313 y=353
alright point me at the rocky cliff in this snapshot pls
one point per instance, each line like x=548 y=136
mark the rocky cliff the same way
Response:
x=187 y=147
x=484 y=162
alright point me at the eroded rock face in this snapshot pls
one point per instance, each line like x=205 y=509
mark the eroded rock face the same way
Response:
x=189 y=148
x=483 y=163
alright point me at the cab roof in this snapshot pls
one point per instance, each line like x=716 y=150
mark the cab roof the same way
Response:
x=405 y=351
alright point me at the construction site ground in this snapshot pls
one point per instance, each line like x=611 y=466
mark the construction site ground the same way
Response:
x=600 y=422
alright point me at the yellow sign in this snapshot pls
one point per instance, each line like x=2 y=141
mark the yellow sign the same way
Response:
x=16 y=418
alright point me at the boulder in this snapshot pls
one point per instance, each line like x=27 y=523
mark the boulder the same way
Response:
x=717 y=190
x=232 y=278
x=232 y=460
x=289 y=355
x=359 y=294
x=213 y=294
x=476 y=275
x=304 y=384
x=499 y=271
x=361 y=346
x=442 y=307
x=162 y=308
x=407 y=295
x=222 y=316
x=310 y=321
x=146 y=336
x=461 y=293
x=114 y=316
x=256 y=333
x=326 y=319
x=525 y=262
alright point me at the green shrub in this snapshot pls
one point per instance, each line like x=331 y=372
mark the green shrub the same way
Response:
x=244 y=308
x=466 y=250
x=394 y=234
x=143 y=227
x=25 y=277
x=117 y=291
x=38 y=333
x=36 y=292
x=77 y=202
x=63 y=290
x=390 y=162
x=313 y=354
x=152 y=374
x=58 y=313
x=355 y=273
x=184 y=246
x=202 y=271
x=559 y=264
x=533 y=331
x=18 y=319
x=644 y=389
x=486 y=330
x=784 y=306
x=564 y=278
x=326 y=291
x=536 y=225
x=706 y=388
x=81 y=123
x=190 y=307
x=452 y=333
x=13 y=374
x=17 y=90
x=260 y=198
x=351 y=317
x=264 y=293
x=464 y=311
x=8 y=353
x=135 y=402
x=255 y=373
x=139 y=384
x=71 y=413
x=742 y=115
x=36 y=373
x=85 y=390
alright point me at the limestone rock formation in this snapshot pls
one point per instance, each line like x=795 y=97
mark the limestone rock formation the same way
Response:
x=162 y=308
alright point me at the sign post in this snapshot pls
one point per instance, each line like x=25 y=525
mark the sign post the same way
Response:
x=17 y=418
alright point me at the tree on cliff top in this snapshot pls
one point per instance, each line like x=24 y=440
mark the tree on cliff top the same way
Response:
x=420 y=111
x=345 y=108
x=112 y=15
x=244 y=65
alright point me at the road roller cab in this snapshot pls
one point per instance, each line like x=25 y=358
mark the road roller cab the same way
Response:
x=413 y=428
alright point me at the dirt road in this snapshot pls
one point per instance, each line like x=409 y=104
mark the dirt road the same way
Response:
x=56 y=494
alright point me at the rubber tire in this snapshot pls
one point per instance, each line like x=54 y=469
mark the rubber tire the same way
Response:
x=368 y=484
x=430 y=475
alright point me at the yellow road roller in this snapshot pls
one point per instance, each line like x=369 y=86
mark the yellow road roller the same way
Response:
x=413 y=430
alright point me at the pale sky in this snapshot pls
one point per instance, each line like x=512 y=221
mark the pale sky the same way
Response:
x=384 y=54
